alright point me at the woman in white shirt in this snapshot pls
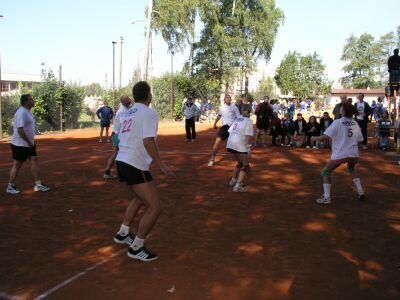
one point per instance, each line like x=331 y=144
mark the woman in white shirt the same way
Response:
x=239 y=144
x=345 y=135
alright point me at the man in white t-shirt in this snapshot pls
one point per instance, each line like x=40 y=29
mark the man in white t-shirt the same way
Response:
x=345 y=135
x=227 y=114
x=137 y=150
x=239 y=144
x=23 y=145
x=125 y=105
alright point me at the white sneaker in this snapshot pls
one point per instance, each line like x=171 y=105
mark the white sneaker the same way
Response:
x=41 y=188
x=100 y=140
x=239 y=189
x=12 y=189
x=232 y=182
x=211 y=163
x=308 y=147
x=323 y=200
x=109 y=176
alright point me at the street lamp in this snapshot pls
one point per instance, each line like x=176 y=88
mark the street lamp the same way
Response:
x=150 y=11
x=113 y=83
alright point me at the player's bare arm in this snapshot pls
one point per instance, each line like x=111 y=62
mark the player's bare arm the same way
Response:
x=216 y=121
x=152 y=148
x=22 y=134
x=320 y=138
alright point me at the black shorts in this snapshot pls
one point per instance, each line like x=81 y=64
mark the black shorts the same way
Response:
x=132 y=175
x=20 y=153
x=262 y=123
x=235 y=151
x=223 y=132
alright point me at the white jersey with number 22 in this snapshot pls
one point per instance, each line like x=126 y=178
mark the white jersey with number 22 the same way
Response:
x=345 y=134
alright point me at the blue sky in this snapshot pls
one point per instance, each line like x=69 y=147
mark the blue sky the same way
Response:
x=78 y=34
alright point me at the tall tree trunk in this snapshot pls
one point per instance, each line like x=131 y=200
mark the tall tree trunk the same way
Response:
x=192 y=37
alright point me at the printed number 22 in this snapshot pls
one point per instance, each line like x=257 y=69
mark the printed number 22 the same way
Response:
x=126 y=126
x=350 y=132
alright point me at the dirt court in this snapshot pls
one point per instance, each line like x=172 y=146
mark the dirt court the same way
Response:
x=273 y=242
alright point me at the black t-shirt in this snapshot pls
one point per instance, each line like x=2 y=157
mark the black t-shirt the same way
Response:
x=394 y=62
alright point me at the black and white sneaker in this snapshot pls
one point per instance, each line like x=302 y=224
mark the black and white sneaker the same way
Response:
x=12 y=189
x=124 y=239
x=41 y=188
x=142 y=254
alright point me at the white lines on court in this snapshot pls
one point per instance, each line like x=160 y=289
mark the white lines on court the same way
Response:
x=6 y=296
x=75 y=277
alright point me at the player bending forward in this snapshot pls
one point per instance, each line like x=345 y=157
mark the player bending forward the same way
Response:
x=227 y=113
x=239 y=144
x=137 y=150
x=345 y=135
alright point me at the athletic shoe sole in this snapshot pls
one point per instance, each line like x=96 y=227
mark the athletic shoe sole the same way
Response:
x=142 y=259
x=41 y=189
x=13 y=192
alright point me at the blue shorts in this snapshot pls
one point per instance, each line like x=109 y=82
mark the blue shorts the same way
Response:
x=105 y=123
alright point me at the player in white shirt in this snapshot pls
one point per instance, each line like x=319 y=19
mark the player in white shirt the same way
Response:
x=137 y=150
x=227 y=114
x=239 y=144
x=125 y=105
x=23 y=145
x=345 y=135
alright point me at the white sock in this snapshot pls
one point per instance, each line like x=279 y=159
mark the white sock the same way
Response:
x=137 y=243
x=357 y=183
x=38 y=182
x=124 y=230
x=327 y=190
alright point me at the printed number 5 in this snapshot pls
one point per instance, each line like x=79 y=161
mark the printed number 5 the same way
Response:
x=350 y=132
x=126 y=126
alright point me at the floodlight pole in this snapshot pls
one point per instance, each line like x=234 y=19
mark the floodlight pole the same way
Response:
x=113 y=83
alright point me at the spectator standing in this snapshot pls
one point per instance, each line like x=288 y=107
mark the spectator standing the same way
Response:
x=105 y=114
x=336 y=110
x=363 y=111
x=384 y=131
x=190 y=111
x=276 y=127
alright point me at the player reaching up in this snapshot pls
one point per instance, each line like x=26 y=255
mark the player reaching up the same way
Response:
x=137 y=150
x=239 y=144
x=345 y=135
x=227 y=113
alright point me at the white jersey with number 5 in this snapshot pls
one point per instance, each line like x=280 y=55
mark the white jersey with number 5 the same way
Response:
x=237 y=134
x=138 y=123
x=345 y=134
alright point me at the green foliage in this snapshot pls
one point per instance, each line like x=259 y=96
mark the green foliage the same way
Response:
x=10 y=105
x=363 y=59
x=50 y=95
x=184 y=86
x=93 y=89
x=266 y=87
x=302 y=76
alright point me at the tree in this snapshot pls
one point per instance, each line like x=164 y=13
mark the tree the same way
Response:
x=386 y=45
x=302 y=76
x=176 y=22
x=363 y=59
x=266 y=87
x=93 y=89
x=234 y=38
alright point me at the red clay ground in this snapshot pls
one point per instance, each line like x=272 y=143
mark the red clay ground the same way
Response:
x=273 y=242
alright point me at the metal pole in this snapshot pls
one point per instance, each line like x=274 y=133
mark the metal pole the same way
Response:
x=120 y=64
x=146 y=61
x=172 y=84
x=113 y=83
x=61 y=108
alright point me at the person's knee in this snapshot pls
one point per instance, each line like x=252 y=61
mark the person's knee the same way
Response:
x=246 y=169
x=325 y=173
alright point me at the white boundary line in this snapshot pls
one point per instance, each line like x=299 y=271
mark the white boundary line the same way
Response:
x=76 y=276
x=10 y=297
